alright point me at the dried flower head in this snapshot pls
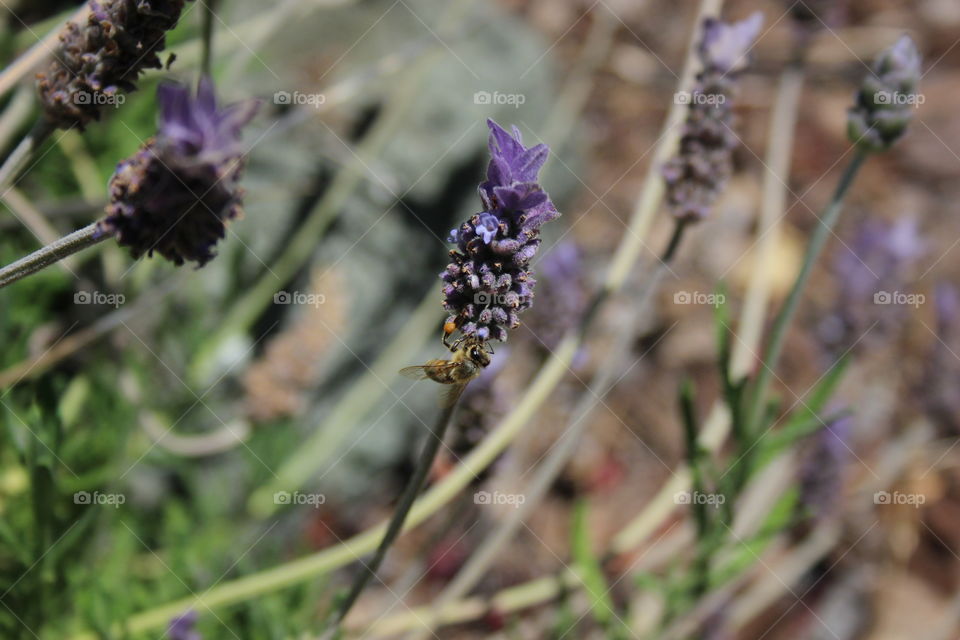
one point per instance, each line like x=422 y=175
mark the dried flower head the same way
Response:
x=99 y=59
x=177 y=193
x=699 y=171
x=887 y=97
x=488 y=281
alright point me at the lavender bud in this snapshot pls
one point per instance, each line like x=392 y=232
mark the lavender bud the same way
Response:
x=103 y=57
x=176 y=194
x=886 y=100
x=499 y=242
x=699 y=171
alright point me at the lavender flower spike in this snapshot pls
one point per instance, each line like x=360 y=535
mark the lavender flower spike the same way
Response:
x=886 y=99
x=98 y=60
x=699 y=171
x=177 y=193
x=488 y=281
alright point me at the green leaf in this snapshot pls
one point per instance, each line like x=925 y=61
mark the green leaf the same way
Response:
x=590 y=572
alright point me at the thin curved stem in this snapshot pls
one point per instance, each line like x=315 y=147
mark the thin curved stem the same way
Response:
x=18 y=158
x=774 y=348
x=51 y=254
x=207 y=35
x=410 y=493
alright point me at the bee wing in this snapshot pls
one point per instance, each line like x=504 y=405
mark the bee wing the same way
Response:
x=423 y=372
x=450 y=395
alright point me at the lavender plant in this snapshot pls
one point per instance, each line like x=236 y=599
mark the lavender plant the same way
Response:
x=174 y=196
x=752 y=417
x=488 y=282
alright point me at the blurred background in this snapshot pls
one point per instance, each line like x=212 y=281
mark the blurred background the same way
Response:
x=171 y=430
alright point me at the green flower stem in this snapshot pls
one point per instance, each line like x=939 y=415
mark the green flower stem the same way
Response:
x=774 y=348
x=50 y=254
x=20 y=156
x=410 y=493
x=206 y=35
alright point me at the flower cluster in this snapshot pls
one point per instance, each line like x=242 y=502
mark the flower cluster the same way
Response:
x=97 y=60
x=176 y=194
x=887 y=97
x=488 y=281
x=699 y=171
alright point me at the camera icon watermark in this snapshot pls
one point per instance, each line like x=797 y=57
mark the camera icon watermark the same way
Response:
x=899 y=298
x=485 y=299
x=497 y=498
x=98 y=98
x=898 y=98
x=497 y=98
x=912 y=499
x=296 y=497
x=697 y=297
x=96 y=498
x=696 y=497
x=99 y=298
x=299 y=297
x=314 y=100
x=698 y=97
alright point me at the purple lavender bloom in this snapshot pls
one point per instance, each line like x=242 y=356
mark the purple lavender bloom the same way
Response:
x=181 y=627
x=177 y=193
x=887 y=98
x=96 y=61
x=488 y=281
x=702 y=166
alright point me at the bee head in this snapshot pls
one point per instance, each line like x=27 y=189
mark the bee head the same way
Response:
x=479 y=355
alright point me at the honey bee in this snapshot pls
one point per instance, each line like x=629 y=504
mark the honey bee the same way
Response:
x=470 y=357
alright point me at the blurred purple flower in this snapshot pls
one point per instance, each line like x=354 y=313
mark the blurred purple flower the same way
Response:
x=561 y=298
x=823 y=470
x=488 y=281
x=97 y=60
x=887 y=97
x=176 y=194
x=181 y=627
x=876 y=262
x=702 y=166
